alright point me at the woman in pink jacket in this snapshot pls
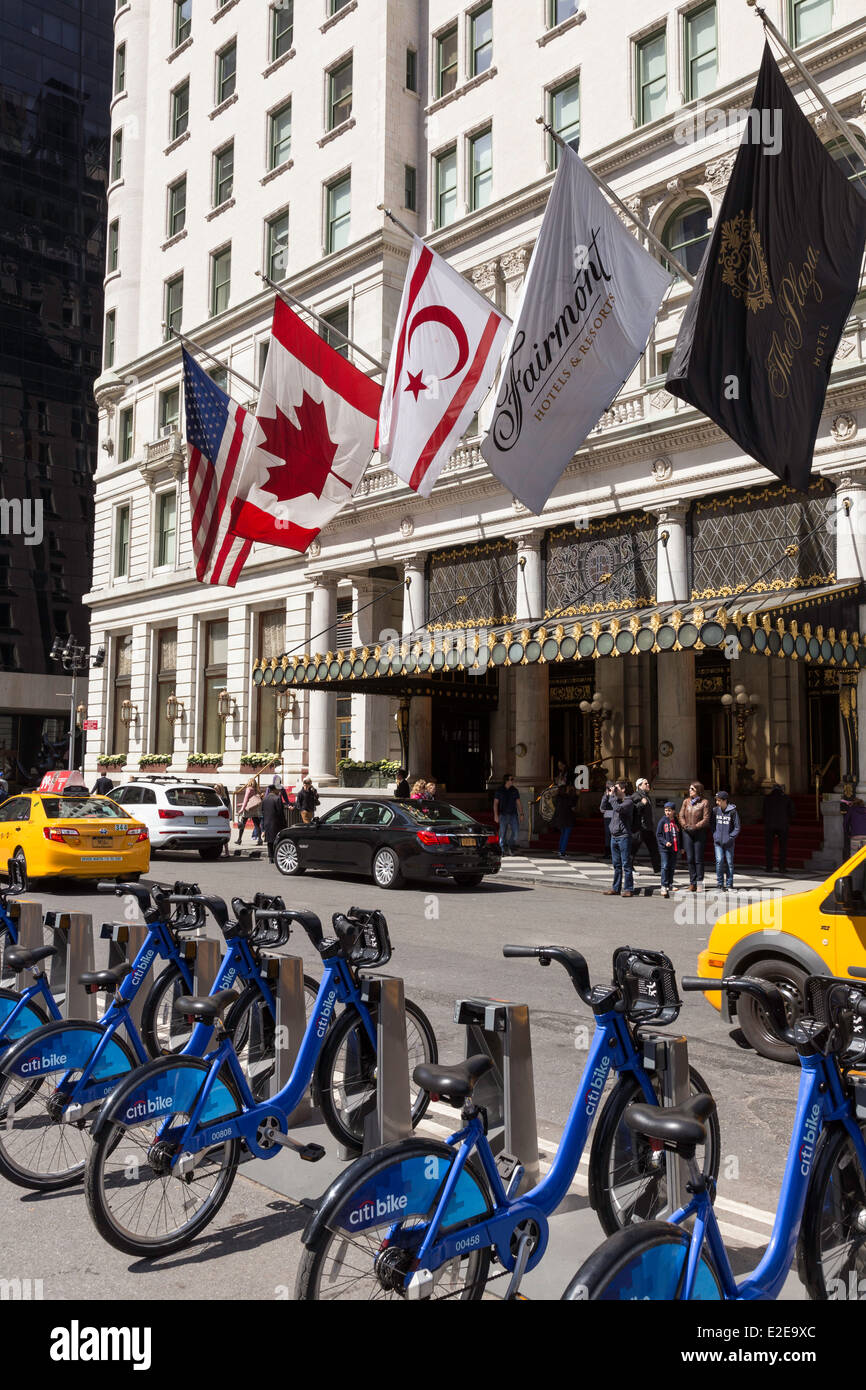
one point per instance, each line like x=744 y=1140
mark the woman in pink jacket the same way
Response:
x=251 y=809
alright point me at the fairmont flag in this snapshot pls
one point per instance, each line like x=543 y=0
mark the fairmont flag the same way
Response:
x=215 y=431
x=774 y=289
x=313 y=438
x=448 y=342
x=589 y=300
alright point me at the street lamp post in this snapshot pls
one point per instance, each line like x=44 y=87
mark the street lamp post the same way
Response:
x=742 y=706
x=601 y=712
x=75 y=660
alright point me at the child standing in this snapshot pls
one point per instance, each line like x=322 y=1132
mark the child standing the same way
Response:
x=668 y=837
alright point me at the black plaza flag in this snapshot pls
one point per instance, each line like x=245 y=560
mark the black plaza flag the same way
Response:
x=774 y=289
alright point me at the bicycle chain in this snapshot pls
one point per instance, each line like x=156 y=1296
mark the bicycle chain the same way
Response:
x=505 y=1274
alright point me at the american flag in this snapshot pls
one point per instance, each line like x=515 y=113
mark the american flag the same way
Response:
x=215 y=430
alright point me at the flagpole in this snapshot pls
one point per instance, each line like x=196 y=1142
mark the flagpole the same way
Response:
x=220 y=363
x=605 y=188
x=852 y=136
x=299 y=304
x=396 y=220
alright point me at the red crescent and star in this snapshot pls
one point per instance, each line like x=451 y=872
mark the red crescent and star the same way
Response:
x=437 y=313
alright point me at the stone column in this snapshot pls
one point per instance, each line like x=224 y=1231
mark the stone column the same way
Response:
x=671 y=556
x=677 y=721
x=531 y=735
x=610 y=682
x=850 y=525
x=323 y=702
x=514 y=265
x=754 y=672
x=415 y=593
x=529 y=605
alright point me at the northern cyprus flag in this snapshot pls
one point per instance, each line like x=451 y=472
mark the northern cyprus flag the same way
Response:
x=447 y=347
x=315 y=424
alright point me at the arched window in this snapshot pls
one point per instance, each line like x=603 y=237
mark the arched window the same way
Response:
x=850 y=163
x=687 y=232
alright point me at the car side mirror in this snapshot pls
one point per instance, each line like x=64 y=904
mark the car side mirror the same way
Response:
x=842 y=894
x=315 y=820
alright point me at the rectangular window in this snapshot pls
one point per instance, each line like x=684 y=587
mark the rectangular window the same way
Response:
x=480 y=170
x=277 y=246
x=122 y=687
x=446 y=188
x=339 y=95
x=561 y=10
x=446 y=62
x=120 y=69
x=216 y=659
x=409 y=182
x=166 y=529
x=226 y=72
x=169 y=410
x=166 y=677
x=411 y=70
x=223 y=174
x=565 y=118
x=339 y=209
x=220 y=282
x=182 y=20
x=338 y=319
x=180 y=110
x=343 y=727
x=177 y=207
x=124 y=434
x=173 y=304
x=271 y=642
x=282 y=28
x=121 y=542
x=263 y=358
x=652 y=78
x=110 y=330
x=116 y=155
x=220 y=377
x=337 y=5
x=113 y=246
x=482 y=40
x=701 y=52
x=809 y=19
x=280 y=136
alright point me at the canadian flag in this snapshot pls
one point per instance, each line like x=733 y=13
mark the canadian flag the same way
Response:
x=315 y=425
x=448 y=342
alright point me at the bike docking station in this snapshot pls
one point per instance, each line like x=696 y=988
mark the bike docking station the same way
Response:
x=71 y=934
x=669 y=1058
x=507 y=1092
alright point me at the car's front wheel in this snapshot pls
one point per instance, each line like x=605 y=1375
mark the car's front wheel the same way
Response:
x=757 y=1029
x=287 y=858
x=21 y=860
x=386 y=869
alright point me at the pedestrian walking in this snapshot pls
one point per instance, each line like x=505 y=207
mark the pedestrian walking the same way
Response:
x=608 y=788
x=103 y=785
x=778 y=814
x=694 y=823
x=306 y=800
x=251 y=809
x=563 y=815
x=644 y=822
x=507 y=813
x=277 y=784
x=273 y=816
x=402 y=791
x=223 y=794
x=726 y=828
x=669 y=841
x=855 y=824
x=621 y=825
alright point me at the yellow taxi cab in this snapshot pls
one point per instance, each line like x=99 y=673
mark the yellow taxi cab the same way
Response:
x=785 y=939
x=72 y=833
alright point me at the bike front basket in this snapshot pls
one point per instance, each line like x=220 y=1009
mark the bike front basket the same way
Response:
x=372 y=944
x=648 y=983
x=830 y=999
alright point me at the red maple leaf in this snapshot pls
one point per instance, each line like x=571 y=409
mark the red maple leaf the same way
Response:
x=307 y=451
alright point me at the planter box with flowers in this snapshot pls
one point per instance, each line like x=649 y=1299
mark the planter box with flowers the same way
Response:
x=195 y=761
x=111 y=760
x=367 y=774
x=153 y=762
x=259 y=762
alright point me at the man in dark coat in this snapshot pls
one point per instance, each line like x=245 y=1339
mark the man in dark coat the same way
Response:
x=778 y=814
x=273 y=817
x=621 y=826
x=103 y=785
x=644 y=822
x=402 y=791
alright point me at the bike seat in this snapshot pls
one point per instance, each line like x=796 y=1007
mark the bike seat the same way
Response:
x=18 y=957
x=680 y=1127
x=95 y=980
x=453 y=1082
x=206 y=1008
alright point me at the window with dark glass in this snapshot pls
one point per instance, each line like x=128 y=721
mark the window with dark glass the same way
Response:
x=339 y=94
x=482 y=40
x=116 y=155
x=280 y=136
x=409 y=182
x=111 y=259
x=221 y=278
x=337 y=320
x=271 y=643
x=411 y=69
x=122 y=687
x=166 y=529
x=687 y=232
x=120 y=69
x=227 y=62
x=560 y=11
x=446 y=62
x=121 y=542
x=277 y=254
x=177 y=207
x=166 y=679
x=652 y=80
x=339 y=209
x=182 y=20
x=110 y=334
x=124 y=434
x=282 y=28
x=180 y=110
x=446 y=188
x=565 y=118
x=173 y=304
x=480 y=170
x=223 y=174
x=216 y=664
x=169 y=410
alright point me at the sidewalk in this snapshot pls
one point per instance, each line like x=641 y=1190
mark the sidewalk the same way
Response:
x=593 y=871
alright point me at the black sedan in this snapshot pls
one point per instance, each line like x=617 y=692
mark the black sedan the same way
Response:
x=392 y=841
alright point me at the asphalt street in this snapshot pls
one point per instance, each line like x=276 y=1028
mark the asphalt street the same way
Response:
x=447 y=944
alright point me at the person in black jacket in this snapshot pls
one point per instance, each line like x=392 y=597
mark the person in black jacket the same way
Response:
x=307 y=800
x=273 y=817
x=402 y=791
x=778 y=814
x=644 y=822
x=621 y=822
x=103 y=785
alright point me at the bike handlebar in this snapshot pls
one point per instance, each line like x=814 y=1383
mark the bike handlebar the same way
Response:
x=768 y=995
x=566 y=956
x=642 y=969
x=308 y=920
x=858 y=971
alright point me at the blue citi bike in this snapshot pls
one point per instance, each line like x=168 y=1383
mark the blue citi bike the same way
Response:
x=54 y=1076
x=425 y=1219
x=168 y=1141
x=823 y=1193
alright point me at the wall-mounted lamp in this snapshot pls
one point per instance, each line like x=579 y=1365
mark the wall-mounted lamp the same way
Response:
x=128 y=713
x=522 y=562
x=847 y=504
x=80 y=712
x=285 y=702
x=664 y=537
x=173 y=709
x=225 y=705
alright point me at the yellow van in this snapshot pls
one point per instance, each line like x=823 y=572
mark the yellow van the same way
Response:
x=785 y=939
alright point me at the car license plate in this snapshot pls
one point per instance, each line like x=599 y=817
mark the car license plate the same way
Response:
x=468 y=841
x=201 y=820
x=101 y=858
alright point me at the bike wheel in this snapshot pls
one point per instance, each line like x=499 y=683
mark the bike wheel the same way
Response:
x=164 y=1032
x=345 y=1084
x=137 y=1203
x=833 y=1234
x=643 y=1262
x=343 y=1262
x=627 y=1177
x=251 y=1027
x=37 y=1150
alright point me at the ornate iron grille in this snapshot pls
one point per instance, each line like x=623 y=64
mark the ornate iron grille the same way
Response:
x=471 y=584
x=737 y=538
x=623 y=548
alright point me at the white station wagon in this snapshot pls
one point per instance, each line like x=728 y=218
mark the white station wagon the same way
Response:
x=179 y=814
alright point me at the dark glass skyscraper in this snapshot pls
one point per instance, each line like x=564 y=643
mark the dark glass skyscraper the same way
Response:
x=55 y=90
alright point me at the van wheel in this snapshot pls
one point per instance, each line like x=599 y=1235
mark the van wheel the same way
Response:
x=791 y=981
x=21 y=860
